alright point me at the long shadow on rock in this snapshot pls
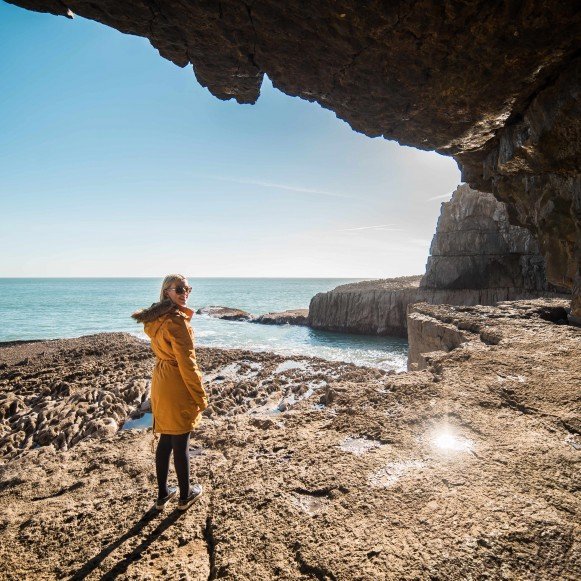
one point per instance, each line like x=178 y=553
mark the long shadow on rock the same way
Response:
x=122 y=565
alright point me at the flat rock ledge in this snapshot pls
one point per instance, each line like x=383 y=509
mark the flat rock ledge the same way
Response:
x=467 y=466
x=226 y=313
x=290 y=317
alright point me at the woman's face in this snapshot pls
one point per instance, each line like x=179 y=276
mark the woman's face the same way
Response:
x=179 y=292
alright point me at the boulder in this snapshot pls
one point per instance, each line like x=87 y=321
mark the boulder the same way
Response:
x=226 y=313
x=290 y=317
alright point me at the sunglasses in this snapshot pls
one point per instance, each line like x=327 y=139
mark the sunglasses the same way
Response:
x=180 y=290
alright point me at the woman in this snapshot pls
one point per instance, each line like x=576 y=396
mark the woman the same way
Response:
x=177 y=395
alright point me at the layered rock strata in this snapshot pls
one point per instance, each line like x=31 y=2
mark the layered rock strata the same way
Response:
x=476 y=247
x=376 y=308
x=469 y=465
x=477 y=258
x=368 y=307
x=496 y=85
x=434 y=330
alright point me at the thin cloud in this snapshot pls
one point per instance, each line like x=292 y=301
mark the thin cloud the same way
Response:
x=442 y=197
x=379 y=227
x=422 y=242
x=286 y=187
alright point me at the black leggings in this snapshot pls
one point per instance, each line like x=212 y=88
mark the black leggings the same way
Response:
x=181 y=460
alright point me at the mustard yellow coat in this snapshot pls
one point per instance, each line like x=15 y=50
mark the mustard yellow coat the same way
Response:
x=177 y=394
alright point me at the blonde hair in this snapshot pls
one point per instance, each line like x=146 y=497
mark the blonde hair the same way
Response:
x=167 y=282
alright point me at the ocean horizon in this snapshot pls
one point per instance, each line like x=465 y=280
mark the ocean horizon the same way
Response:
x=67 y=307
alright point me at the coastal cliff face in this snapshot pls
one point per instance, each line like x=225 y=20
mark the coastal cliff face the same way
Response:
x=476 y=247
x=468 y=466
x=495 y=85
x=478 y=258
x=368 y=307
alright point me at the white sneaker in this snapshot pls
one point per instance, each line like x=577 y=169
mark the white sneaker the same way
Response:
x=195 y=493
x=162 y=502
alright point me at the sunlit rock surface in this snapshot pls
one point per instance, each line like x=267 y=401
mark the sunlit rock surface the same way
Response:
x=475 y=247
x=226 y=313
x=468 y=466
x=289 y=317
x=373 y=307
x=494 y=84
x=477 y=258
x=62 y=392
x=437 y=329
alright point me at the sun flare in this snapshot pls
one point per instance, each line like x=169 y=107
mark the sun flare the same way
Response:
x=449 y=442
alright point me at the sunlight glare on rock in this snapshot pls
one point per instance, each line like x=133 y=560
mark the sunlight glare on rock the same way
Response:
x=448 y=442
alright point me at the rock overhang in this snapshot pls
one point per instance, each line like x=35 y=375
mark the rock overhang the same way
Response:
x=495 y=85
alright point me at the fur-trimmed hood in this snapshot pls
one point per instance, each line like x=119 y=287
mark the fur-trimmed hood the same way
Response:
x=154 y=317
x=155 y=311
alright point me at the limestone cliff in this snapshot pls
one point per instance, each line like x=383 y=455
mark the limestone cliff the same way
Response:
x=369 y=307
x=476 y=247
x=478 y=258
x=494 y=84
x=376 y=308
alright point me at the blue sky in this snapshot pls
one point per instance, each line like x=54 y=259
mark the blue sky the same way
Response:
x=115 y=162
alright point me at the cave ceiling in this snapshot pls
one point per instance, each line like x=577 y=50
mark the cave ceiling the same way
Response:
x=495 y=84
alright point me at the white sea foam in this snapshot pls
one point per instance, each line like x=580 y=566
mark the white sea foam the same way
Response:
x=290 y=364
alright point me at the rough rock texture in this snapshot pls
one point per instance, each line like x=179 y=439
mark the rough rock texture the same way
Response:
x=75 y=389
x=62 y=392
x=475 y=247
x=380 y=307
x=467 y=469
x=478 y=258
x=434 y=329
x=290 y=317
x=371 y=307
x=226 y=313
x=495 y=84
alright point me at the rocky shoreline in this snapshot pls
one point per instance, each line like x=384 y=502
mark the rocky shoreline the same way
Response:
x=476 y=258
x=312 y=469
x=58 y=393
x=288 y=317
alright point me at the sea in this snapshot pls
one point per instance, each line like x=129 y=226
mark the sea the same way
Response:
x=53 y=308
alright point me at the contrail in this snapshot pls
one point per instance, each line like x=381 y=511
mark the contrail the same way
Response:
x=439 y=197
x=289 y=188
